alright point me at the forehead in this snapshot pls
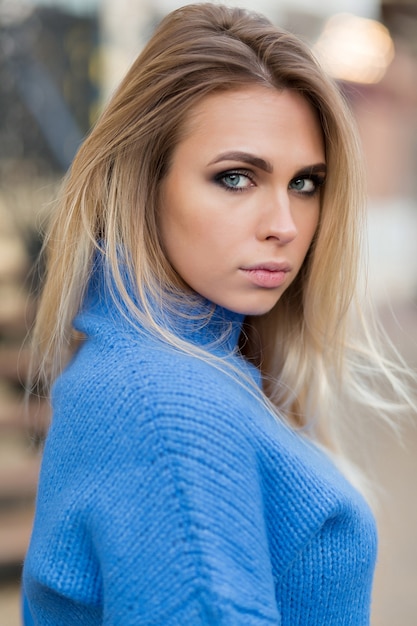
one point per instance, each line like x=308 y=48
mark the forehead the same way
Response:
x=257 y=118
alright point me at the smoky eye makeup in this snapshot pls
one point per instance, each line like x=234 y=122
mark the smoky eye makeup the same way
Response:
x=307 y=181
x=307 y=185
x=235 y=179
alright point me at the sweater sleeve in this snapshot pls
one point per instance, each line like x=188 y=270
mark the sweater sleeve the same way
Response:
x=178 y=525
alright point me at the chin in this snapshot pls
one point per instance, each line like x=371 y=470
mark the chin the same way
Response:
x=254 y=309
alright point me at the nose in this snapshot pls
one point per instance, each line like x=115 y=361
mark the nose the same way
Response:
x=277 y=221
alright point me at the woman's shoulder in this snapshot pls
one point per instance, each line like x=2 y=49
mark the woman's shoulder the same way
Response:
x=138 y=372
x=137 y=400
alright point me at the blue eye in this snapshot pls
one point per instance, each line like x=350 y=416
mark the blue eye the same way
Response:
x=307 y=185
x=234 y=180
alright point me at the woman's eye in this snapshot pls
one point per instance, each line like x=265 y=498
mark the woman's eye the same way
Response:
x=307 y=186
x=303 y=184
x=234 y=181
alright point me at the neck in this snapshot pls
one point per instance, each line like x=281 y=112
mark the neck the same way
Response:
x=201 y=322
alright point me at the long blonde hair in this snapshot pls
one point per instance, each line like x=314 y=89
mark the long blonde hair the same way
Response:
x=110 y=201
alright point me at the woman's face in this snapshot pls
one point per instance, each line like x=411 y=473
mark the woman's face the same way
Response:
x=240 y=203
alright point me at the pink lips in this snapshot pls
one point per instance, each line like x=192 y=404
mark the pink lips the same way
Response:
x=267 y=275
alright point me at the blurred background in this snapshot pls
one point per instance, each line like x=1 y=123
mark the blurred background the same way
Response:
x=59 y=62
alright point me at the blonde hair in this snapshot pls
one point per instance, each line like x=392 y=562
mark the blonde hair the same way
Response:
x=110 y=203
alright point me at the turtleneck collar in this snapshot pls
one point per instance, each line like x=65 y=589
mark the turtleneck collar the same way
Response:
x=189 y=316
x=205 y=324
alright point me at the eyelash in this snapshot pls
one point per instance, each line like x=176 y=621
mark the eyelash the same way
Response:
x=219 y=179
x=318 y=181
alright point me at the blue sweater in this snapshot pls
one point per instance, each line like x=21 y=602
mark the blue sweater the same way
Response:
x=169 y=496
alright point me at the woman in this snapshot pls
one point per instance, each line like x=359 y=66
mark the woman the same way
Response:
x=206 y=253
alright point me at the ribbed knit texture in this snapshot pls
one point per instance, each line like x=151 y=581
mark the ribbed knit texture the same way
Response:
x=169 y=496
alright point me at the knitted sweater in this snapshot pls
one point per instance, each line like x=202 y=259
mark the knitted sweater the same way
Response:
x=170 y=496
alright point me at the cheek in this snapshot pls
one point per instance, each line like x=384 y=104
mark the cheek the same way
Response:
x=195 y=223
x=179 y=211
x=314 y=227
x=172 y=219
x=314 y=222
x=186 y=235
x=307 y=227
x=306 y=233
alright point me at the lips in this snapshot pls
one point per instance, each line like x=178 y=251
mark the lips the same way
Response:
x=267 y=275
x=269 y=267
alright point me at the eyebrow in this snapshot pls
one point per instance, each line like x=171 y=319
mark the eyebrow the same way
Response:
x=318 y=168
x=244 y=157
x=266 y=166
